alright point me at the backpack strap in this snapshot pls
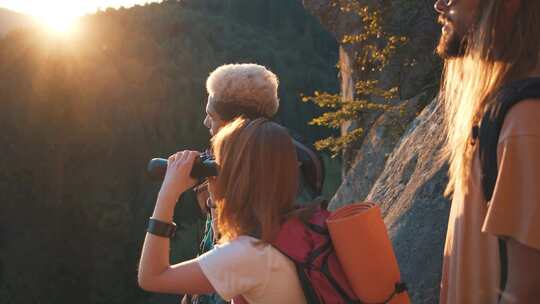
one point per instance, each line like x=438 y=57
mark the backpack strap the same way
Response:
x=492 y=123
x=488 y=133
x=307 y=288
x=312 y=166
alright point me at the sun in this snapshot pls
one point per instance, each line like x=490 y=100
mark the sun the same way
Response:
x=59 y=22
x=57 y=17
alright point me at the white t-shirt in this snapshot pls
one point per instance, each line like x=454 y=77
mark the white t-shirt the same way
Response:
x=261 y=274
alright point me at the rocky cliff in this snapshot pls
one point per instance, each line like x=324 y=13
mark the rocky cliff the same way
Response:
x=409 y=191
x=396 y=163
x=406 y=177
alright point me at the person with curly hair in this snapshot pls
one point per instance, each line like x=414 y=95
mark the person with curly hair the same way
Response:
x=248 y=90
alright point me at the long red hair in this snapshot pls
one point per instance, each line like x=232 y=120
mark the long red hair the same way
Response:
x=258 y=178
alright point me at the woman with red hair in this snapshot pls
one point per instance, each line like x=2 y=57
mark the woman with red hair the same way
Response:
x=253 y=193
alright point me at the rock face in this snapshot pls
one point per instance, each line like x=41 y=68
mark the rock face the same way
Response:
x=408 y=185
x=370 y=159
x=410 y=193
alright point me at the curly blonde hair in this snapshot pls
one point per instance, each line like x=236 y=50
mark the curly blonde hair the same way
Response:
x=247 y=86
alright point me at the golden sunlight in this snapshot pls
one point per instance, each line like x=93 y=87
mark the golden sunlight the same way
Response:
x=60 y=16
x=58 y=22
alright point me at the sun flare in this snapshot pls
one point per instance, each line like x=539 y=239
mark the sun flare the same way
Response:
x=60 y=24
x=61 y=16
x=58 y=21
x=57 y=17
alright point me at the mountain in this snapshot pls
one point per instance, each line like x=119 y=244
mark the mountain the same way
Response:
x=10 y=20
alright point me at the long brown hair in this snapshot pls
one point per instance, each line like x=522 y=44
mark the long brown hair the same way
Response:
x=500 y=48
x=258 y=178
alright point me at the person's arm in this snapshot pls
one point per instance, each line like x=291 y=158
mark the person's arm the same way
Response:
x=523 y=285
x=155 y=271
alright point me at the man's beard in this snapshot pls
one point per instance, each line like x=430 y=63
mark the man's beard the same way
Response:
x=451 y=44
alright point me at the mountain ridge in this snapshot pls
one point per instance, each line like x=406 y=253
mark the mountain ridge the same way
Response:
x=11 y=20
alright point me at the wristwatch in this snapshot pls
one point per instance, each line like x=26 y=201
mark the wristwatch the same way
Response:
x=160 y=228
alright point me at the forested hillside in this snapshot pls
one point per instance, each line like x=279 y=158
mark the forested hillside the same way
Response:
x=10 y=20
x=81 y=116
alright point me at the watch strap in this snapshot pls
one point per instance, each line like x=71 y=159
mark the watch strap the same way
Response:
x=161 y=228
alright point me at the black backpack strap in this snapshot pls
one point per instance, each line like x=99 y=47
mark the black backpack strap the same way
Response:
x=503 y=258
x=312 y=166
x=492 y=123
x=325 y=270
x=399 y=287
x=488 y=133
x=307 y=288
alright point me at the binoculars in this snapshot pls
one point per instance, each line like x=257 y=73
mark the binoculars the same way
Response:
x=203 y=167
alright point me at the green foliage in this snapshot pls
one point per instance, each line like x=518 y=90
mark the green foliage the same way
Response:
x=377 y=48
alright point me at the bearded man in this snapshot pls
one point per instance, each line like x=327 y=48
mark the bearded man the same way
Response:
x=489 y=45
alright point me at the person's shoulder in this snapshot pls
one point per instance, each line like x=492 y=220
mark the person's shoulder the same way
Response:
x=243 y=250
x=523 y=119
x=243 y=245
x=236 y=266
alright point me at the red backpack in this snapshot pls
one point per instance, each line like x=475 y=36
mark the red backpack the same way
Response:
x=309 y=246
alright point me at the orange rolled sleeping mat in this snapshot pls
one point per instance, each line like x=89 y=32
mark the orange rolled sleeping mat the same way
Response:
x=365 y=252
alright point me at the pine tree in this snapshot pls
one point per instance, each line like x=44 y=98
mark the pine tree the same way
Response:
x=377 y=48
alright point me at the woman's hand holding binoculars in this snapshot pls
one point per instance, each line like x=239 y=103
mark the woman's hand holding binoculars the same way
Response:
x=177 y=177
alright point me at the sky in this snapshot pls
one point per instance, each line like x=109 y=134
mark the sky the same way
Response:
x=61 y=15
x=72 y=8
